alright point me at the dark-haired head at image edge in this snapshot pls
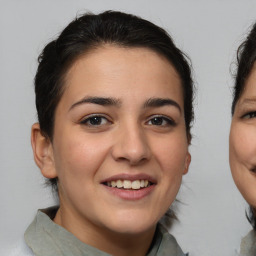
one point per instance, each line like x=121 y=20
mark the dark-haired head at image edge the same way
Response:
x=114 y=98
x=242 y=141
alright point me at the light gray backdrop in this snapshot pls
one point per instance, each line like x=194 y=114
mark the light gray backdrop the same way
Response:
x=212 y=212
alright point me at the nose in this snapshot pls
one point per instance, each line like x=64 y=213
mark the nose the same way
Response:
x=131 y=145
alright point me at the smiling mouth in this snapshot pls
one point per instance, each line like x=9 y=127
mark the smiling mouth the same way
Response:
x=128 y=184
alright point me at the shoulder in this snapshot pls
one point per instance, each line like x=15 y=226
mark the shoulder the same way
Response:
x=248 y=244
x=166 y=243
x=20 y=249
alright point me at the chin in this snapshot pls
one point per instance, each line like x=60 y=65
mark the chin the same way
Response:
x=249 y=194
x=251 y=200
x=132 y=224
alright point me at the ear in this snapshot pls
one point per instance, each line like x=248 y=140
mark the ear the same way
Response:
x=43 y=152
x=187 y=163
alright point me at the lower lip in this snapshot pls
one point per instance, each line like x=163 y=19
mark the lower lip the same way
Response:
x=129 y=194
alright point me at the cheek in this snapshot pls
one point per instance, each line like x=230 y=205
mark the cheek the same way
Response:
x=242 y=145
x=243 y=159
x=246 y=183
x=78 y=158
x=171 y=155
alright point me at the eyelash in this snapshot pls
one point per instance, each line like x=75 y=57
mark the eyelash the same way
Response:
x=94 y=118
x=249 y=115
x=164 y=121
x=168 y=121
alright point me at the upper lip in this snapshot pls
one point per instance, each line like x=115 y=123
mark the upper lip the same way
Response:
x=131 y=177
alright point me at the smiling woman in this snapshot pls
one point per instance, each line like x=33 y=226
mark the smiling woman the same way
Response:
x=114 y=101
x=242 y=134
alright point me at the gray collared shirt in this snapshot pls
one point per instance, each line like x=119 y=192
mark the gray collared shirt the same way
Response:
x=46 y=238
x=248 y=244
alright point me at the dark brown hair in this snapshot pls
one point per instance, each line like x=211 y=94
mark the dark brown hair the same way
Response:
x=88 y=32
x=246 y=56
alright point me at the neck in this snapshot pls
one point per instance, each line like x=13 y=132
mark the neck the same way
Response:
x=121 y=244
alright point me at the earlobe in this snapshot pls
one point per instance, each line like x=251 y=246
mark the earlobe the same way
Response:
x=43 y=152
x=187 y=163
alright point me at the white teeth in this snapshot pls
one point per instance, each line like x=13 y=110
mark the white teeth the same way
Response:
x=119 y=183
x=113 y=184
x=127 y=184
x=136 y=184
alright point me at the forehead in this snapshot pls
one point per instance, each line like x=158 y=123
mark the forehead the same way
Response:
x=118 y=70
x=113 y=57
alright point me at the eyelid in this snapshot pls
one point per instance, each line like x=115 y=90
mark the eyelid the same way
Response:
x=247 y=115
x=87 y=118
x=169 y=120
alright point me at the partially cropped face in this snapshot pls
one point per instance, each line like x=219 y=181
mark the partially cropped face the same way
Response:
x=120 y=146
x=243 y=141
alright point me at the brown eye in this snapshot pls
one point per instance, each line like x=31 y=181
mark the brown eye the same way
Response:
x=95 y=121
x=160 y=121
x=249 y=115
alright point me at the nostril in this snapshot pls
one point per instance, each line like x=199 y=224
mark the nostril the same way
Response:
x=131 y=145
x=138 y=161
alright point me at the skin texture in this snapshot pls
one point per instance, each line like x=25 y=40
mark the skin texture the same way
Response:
x=127 y=141
x=243 y=141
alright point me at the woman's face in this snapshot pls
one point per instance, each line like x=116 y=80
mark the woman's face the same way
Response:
x=243 y=141
x=120 y=146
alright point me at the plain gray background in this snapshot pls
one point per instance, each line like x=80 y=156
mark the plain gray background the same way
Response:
x=211 y=212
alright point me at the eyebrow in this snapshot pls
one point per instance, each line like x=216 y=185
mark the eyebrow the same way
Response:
x=160 y=102
x=97 y=100
x=150 y=103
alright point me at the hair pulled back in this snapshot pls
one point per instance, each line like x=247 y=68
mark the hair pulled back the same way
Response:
x=89 y=32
